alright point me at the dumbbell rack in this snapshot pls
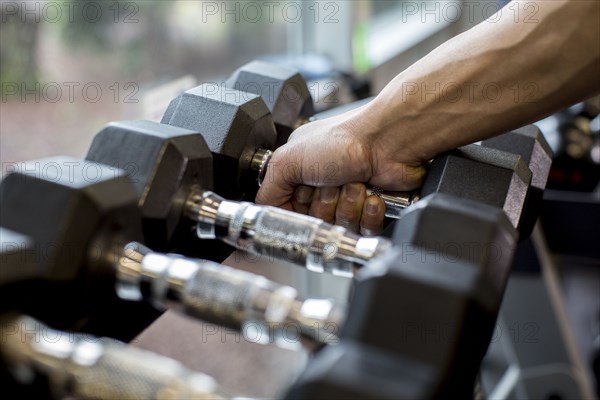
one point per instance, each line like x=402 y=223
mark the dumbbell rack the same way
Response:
x=212 y=342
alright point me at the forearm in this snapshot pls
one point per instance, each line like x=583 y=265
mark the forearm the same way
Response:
x=498 y=76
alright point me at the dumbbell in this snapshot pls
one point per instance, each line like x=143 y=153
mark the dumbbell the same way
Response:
x=260 y=77
x=173 y=182
x=530 y=144
x=353 y=370
x=16 y=257
x=38 y=280
x=238 y=129
x=84 y=367
x=432 y=300
x=240 y=126
x=283 y=90
x=482 y=174
x=82 y=218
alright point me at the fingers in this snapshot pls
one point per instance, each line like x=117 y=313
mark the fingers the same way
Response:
x=350 y=206
x=324 y=203
x=359 y=213
x=302 y=199
x=373 y=215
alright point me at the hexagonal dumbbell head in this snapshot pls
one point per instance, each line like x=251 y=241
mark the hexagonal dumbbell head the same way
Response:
x=74 y=212
x=235 y=125
x=530 y=144
x=482 y=174
x=17 y=261
x=284 y=91
x=435 y=296
x=352 y=370
x=164 y=162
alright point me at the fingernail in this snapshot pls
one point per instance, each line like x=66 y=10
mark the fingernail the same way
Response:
x=328 y=194
x=353 y=190
x=303 y=194
x=372 y=207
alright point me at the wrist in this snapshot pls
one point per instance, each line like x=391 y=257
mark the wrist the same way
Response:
x=395 y=125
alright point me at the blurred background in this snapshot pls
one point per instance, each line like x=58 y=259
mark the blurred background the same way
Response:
x=69 y=67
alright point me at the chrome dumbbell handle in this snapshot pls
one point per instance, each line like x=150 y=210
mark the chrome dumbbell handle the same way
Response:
x=395 y=202
x=85 y=367
x=277 y=233
x=221 y=294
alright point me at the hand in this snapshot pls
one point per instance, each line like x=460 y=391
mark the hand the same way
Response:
x=348 y=206
x=322 y=169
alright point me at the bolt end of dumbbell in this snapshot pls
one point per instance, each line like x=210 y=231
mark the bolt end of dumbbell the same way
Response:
x=368 y=248
x=202 y=207
x=259 y=164
x=129 y=272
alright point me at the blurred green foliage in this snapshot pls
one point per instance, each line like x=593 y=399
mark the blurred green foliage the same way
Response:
x=98 y=28
x=18 y=41
x=155 y=39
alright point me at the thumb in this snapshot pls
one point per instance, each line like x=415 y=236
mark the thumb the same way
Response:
x=283 y=175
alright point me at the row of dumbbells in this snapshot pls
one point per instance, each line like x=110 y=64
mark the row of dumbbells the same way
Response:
x=417 y=325
x=89 y=226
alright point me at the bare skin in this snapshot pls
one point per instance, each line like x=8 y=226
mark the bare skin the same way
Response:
x=500 y=75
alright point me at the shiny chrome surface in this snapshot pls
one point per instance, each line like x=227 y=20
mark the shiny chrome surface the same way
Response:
x=282 y=234
x=86 y=367
x=217 y=293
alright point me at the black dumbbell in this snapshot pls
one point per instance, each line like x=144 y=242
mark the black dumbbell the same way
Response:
x=164 y=163
x=81 y=218
x=64 y=364
x=16 y=250
x=421 y=315
x=182 y=199
x=284 y=91
x=435 y=296
x=354 y=370
x=235 y=126
x=530 y=144
x=48 y=265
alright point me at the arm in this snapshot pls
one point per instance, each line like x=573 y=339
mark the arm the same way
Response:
x=493 y=78
x=499 y=75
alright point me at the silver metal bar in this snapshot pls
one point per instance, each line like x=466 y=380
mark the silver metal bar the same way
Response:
x=281 y=234
x=217 y=293
x=85 y=367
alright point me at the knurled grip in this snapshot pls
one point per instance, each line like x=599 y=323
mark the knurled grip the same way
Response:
x=123 y=372
x=216 y=293
x=87 y=367
x=282 y=234
x=223 y=294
